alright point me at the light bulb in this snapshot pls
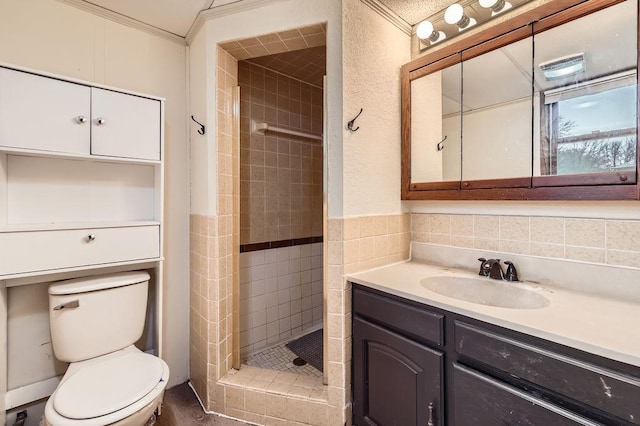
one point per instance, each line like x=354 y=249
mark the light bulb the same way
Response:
x=496 y=6
x=425 y=31
x=454 y=15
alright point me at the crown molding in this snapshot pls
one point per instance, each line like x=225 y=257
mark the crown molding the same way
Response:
x=389 y=15
x=124 y=20
x=224 y=10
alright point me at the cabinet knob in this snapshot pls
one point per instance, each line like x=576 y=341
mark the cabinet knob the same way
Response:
x=101 y=121
x=91 y=237
x=81 y=119
x=431 y=410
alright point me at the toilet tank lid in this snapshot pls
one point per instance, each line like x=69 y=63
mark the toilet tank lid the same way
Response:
x=98 y=282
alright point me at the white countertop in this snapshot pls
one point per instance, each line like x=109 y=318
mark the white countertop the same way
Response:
x=592 y=323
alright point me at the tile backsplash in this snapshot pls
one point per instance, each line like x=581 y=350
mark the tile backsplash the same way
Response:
x=605 y=241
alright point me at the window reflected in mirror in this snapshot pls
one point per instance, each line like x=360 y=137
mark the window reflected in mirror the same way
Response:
x=586 y=95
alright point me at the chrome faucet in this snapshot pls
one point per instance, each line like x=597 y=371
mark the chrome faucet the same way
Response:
x=493 y=269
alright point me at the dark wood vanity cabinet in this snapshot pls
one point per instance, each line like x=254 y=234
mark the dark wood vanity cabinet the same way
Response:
x=415 y=364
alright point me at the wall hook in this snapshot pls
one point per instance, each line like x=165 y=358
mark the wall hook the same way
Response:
x=440 y=145
x=201 y=130
x=352 y=122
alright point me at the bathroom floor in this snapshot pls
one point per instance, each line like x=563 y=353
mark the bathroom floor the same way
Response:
x=181 y=408
x=280 y=358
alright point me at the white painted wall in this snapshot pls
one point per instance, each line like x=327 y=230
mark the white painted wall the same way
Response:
x=50 y=36
x=374 y=51
x=496 y=141
x=273 y=17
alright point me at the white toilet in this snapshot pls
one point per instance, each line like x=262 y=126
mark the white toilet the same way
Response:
x=94 y=323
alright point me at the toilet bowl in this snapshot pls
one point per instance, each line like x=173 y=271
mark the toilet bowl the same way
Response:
x=109 y=381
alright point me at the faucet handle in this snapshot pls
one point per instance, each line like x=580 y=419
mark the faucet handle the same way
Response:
x=512 y=273
x=484 y=267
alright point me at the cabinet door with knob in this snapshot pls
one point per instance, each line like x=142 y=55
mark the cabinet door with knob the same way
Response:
x=397 y=381
x=44 y=114
x=124 y=125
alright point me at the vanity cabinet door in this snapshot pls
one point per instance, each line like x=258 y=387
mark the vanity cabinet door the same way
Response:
x=124 y=125
x=481 y=400
x=396 y=380
x=43 y=114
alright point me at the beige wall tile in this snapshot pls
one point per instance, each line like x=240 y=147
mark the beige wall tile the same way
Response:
x=459 y=241
x=276 y=405
x=623 y=235
x=547 y=229
x=420 y=223
x=234 y=397
x=440 y=224
x=462 y=225
x=514 y=246
x=367 y=226
x=623 y=258
x=585 y=233
x=440 y=238
x=486 y=227
x=546 y=250
x=351 y=228
x=298 y=410
x=585 y=254
x=514 y=228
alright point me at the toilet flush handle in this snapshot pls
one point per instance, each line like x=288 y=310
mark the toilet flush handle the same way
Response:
x=70 y=304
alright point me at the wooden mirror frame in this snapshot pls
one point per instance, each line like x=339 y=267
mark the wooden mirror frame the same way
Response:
x=612 y=186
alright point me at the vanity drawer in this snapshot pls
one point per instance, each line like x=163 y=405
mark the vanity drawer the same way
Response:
x=22 y=252
x=405 y=318
x=610 y=391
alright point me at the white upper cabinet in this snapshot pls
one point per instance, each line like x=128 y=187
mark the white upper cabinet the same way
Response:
x=124 y=125
x=40 y=113
x=44 y=114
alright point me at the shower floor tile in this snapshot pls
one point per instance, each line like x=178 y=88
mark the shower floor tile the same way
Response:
x=280 y=358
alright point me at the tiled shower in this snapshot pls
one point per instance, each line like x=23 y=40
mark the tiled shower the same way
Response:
x=281 y=294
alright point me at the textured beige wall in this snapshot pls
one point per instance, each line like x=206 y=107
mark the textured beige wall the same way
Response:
x=280 y=175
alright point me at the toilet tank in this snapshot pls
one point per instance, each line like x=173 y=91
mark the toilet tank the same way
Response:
x=97 y=315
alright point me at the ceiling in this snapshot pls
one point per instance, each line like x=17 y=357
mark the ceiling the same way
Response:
x=174 y=16
x=177 y=16
x=308 y=65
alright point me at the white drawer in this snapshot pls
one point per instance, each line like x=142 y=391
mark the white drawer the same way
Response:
x=22 y=252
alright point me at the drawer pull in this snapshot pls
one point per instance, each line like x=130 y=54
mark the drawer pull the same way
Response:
x=101 y=121
x=81 y=119
x=431 y=409
x=91 y=237
x=71 y=304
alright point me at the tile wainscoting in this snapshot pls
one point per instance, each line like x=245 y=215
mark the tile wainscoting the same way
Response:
x=280 y=295
x=605 y=241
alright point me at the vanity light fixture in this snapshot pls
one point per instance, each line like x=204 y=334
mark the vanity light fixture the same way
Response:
x=563 y=67
x=454 y=20
x=426 y=31
x=454 y=15
x=496 y=6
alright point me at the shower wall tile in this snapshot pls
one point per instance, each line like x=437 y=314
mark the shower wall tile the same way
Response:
x=604 y=241
x=280 y=176
x=280 y=295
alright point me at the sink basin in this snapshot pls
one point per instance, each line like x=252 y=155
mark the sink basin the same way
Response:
x=485 y=291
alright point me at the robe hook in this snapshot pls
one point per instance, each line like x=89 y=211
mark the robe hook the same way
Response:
x=352 y=122
x=440 y=145
x=201 y=130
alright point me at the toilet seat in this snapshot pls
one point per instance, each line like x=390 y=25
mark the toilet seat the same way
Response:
x=134 y=414
x=104 y=388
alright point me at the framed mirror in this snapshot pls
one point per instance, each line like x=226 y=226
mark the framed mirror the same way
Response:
x=586 y=99
x=525 y=127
